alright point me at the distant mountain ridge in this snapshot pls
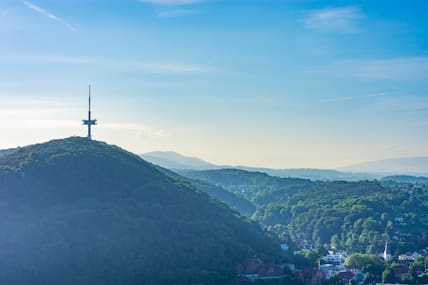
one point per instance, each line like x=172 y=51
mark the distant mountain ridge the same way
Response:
x=406 y=179
x=313 y=173
x=175 y=161
x=415 y=166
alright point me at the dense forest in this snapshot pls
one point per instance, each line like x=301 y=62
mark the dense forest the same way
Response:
x=242 y=205
x=76 y=211
x=352 y=216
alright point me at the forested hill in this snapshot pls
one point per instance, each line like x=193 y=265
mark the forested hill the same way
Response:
x=355 y=216
x=242 y=205
x=406 y=179
x=76 y=211
x=173 y=160
x=7 y=151
x=245 y=183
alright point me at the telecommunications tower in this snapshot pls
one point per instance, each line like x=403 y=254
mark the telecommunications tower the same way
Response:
x=89 y=122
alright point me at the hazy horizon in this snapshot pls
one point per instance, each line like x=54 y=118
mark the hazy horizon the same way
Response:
x=256 y=83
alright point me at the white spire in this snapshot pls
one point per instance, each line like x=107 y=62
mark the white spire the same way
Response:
x=386 y=252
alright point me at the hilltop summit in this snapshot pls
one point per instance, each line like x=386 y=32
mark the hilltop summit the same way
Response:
x=77 y=211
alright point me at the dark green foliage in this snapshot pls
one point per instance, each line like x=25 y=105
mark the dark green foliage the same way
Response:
x=365 y=262
x=76 y=211
x=233 y=200
x=372 y=265
x=306 y=258
x=406 y=179
x=416 y=273
x=355 y=216
x=388 y=276
x=254 y=186
x=7 y=151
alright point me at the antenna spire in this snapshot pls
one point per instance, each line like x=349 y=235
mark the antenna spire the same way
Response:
x=89 y=122
x=89 y=97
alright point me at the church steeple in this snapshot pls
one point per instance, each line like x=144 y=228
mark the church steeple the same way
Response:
x=387 y=252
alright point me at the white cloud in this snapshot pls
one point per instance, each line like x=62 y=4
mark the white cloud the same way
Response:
x=47 y=59
x=349 y=98
x=26 y=114
x=51 y=123
x=341 y=20
x=176 y=13
x=172 y=2
x=142 y=131
x=49 y=15
x=402 y=103
x=167 y=67
x=161 y=67
x=400 y=69
x=170 y=13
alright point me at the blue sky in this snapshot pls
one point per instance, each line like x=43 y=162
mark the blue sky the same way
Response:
x=256 y=82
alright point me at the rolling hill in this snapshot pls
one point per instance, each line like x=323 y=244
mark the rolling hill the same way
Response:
x=417 y=166
x=175 y=161
x=234 y=201
x=76 y=211
x=7 y=151
x=314 y=174
x=248 y=184
x=353 y=216
x=406 y=179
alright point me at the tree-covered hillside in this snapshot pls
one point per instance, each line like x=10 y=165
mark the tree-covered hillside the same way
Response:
x=247 y=184
x=355 y=216
x=242 y=205
x=406 y=179
x=7 y=151
x=76 y=211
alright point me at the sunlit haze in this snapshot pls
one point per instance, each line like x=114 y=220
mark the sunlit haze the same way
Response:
x=240 y=82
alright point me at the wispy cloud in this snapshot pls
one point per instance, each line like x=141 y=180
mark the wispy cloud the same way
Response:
x=3 y=13
x=349 y=98
x=51 y=113
x=161 y=67
x=402 y=103
x=49 y=15
x=172 y=2
x=46 y=59
x=168 y=67
x=142 y=131
x=176 y=13
x=343 y=20
x=172 y=12
x=399 y=69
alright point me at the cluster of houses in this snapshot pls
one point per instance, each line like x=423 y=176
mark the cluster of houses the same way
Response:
x=253 y=269
x=405 y=260
x=333 y=264
x=330 y=265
